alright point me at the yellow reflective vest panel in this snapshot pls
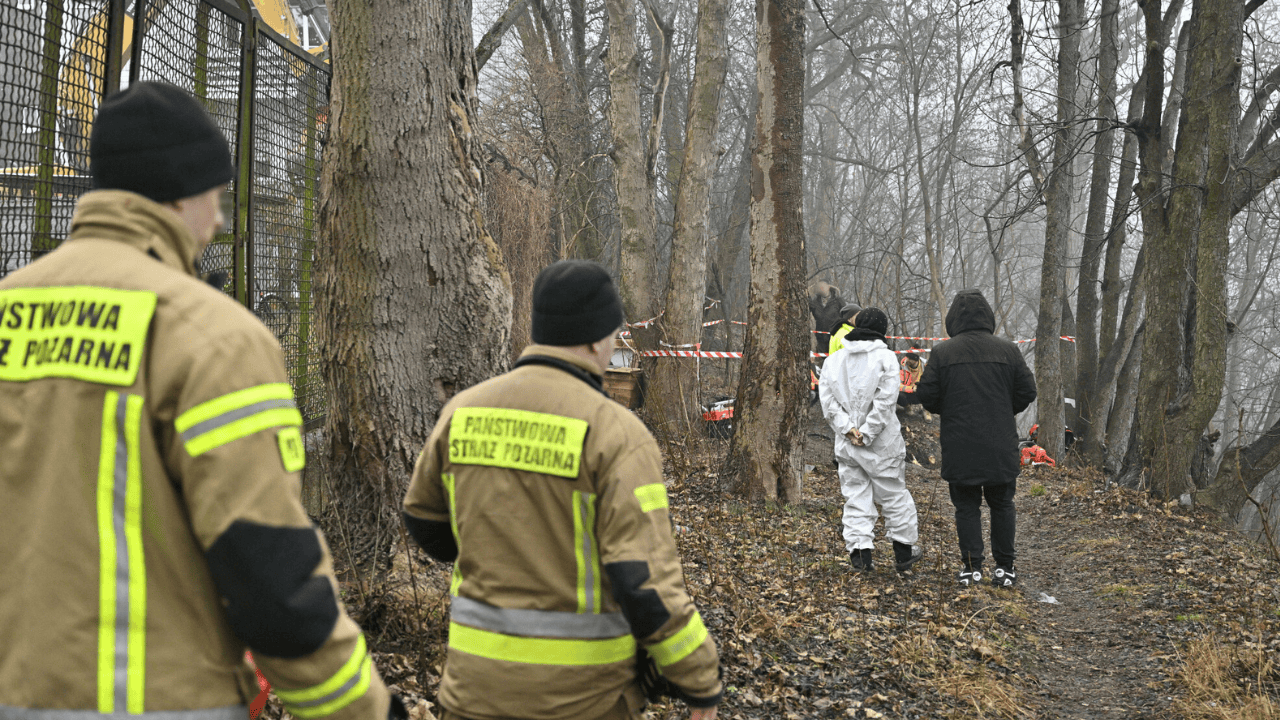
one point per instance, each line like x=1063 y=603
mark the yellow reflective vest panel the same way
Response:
x=837 y=339
x=553 y=497
x=149 y=492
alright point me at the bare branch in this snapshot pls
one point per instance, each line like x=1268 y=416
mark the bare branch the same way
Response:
x=1026 y=142
x=493 y=38
x=665 y=31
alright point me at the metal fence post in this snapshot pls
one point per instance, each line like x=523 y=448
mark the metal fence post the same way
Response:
x=242 y=255
x=42 y=224
x=140 y=23
x=308 y=243
x=200 y=71
x=113 y=64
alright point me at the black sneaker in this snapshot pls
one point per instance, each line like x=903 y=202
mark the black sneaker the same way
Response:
x=861 y=560
x=970 y=578
x=905 y=556
x=1003 y=578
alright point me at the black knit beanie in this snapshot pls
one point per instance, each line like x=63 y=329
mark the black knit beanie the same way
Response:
x=872 y=319
x=574 y=303
x=156 y=140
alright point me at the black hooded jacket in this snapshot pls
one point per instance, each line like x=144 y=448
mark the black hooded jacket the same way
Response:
x=977 y=383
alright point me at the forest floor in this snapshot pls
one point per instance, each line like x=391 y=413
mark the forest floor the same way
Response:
x=1125 y=608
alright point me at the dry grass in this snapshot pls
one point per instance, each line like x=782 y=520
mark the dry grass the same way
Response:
x=1227 y=682
x=961 y=669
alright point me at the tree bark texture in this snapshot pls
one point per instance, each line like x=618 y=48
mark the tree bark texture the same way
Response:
x=1183 y=359
x=1058 y=203
x=412 y=300
x=675 y=388
x=633 y=185
x=764 y=454
x=1095 y=235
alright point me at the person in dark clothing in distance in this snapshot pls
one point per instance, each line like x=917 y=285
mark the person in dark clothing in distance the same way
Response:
x=978 y=383
x=843 y=327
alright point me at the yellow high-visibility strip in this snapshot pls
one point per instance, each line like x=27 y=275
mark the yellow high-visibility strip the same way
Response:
x=651 y=497
x=682 y=644
x=243 y=427
x=580 y=558
x=540 y=651
x=338 y=687
x=232 y=401
x=355 y=692
x=450 y=489
x=137 y=563
x=107 y=557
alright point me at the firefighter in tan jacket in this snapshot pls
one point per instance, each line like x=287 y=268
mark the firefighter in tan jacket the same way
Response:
x=150 y=523
x=548 y=497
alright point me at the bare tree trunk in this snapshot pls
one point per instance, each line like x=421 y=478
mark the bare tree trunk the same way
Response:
x=733 y=241
x=406 y=269
x=764 y=454
x=1124 y=411
x=1058 y=197
x=1184 y=350
x=637 y=217
x=1095 y=223
x=675 y=387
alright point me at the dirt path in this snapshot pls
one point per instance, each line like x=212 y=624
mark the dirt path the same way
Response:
x=1097 y=651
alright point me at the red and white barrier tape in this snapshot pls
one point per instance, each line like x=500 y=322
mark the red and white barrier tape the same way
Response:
x=722 y=355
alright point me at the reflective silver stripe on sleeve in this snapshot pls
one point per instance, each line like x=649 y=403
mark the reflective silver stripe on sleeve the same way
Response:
x=538 y=623
x=231 y=416
x=590 y=566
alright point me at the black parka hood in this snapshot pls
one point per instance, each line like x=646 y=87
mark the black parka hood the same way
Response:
x=970 y=311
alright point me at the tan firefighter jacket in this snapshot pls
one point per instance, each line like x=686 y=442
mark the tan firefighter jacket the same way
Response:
x=551 y=497
x=150 y=523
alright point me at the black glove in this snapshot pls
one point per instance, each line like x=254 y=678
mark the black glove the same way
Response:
x=656 y=686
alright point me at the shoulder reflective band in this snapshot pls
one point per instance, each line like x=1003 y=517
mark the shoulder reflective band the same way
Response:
x=122 y=572
x=450 y=489
x=652 y=497
x=537 y=623
x=540 y=651
x=236 y=415
x=85 y=333
x=682 y=644
x=343 y=688
x=585 y=553
x=517 y=439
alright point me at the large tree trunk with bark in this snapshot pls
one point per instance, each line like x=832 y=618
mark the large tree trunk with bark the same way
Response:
x=1183 y=355
x=412 y=301
x=675 y=388
x=764 y=455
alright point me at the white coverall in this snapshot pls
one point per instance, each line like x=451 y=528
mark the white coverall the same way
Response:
x=859 y=389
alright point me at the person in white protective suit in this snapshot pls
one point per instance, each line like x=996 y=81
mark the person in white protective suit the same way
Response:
x=859 y=393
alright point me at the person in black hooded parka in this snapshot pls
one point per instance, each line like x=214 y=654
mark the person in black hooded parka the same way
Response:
x=978 y=383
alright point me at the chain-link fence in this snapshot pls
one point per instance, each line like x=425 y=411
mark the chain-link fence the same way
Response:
x=58 y=58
